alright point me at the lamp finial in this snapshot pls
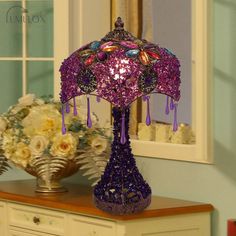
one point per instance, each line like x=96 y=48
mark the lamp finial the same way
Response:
x=119 y=24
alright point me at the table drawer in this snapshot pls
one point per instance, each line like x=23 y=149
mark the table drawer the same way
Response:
x=20 y=232
x=3 y=223
x=32 y=218
x=86 y=226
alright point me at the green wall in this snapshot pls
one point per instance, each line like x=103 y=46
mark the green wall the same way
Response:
x=215 y=183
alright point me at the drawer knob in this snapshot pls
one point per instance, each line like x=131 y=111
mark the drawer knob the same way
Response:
x=36 y=220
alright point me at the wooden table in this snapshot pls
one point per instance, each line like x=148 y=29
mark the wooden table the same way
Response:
x=78 y=201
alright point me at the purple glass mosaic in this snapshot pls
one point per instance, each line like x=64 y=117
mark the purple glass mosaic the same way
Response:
x=120 y=68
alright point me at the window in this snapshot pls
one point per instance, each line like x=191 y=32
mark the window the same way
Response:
x=33 y=43
x=199 y=87
x=198 y=102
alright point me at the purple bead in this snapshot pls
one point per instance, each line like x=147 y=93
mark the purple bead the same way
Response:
x=172 y=105
x=145 y=98
x=86 y=80
x=63 y=127
x=148 y=80
x=89 y=121
x=148 y=117
x=129 y=44
x=101 y=56
x=67 y=107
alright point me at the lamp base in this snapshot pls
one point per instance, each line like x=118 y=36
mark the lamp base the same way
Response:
x=122 y=189
x=122 y=209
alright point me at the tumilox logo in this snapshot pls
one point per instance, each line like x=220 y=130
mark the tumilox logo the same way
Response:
x=14 y=17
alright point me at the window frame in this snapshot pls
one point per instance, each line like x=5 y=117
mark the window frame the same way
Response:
x=61 y=40
x=60 y=43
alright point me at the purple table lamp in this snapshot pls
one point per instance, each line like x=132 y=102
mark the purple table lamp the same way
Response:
x=120 y=68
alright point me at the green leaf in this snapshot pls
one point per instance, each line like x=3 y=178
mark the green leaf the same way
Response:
x=76 y=127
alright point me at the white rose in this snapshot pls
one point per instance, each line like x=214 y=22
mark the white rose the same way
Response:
x=39 y=101
x=44 y=120
x=26 y=100
x=38 y=144
x=3 y=125
x=98 y=145
x=64 y=145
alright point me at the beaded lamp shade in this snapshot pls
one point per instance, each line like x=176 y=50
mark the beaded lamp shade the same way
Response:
x=120 y=68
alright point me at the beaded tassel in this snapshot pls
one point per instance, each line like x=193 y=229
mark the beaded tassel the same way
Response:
x=172 y=105
x=63 y=129
x=98 y=99
x=89 y=121
x=67 y=107
x=122 y=133
x=145 y=98
x=175 y=124
x=75 y=108
x=148 y=117
x=167 y=111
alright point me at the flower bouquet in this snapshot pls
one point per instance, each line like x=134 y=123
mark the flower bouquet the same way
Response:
x=31 y=138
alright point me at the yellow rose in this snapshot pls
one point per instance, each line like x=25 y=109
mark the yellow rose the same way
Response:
x=22 y=155
x=26 y=100
x=42 y=120
x=38 y=144
x=64 y=145
x=98 y=145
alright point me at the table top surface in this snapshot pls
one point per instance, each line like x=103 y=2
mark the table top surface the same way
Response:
x=79 y=200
